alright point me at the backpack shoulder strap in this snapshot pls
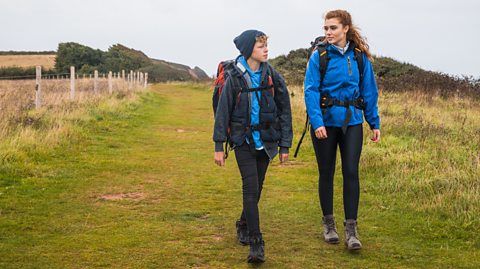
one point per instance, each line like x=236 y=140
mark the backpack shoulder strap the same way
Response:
x=272 y=83
x=271 y=74
x=324 y=58
x=359 y=59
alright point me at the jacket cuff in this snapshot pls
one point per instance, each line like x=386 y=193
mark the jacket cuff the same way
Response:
x=218 y=146
x=284 y=150
x=316 y=124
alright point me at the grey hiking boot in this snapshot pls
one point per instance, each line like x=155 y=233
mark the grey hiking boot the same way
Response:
x=330 y=230
x=351 y=235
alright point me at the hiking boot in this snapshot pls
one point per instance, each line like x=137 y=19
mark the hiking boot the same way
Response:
x=242 y=232
x=351 y=235
x=257 y=252
x=330 y=230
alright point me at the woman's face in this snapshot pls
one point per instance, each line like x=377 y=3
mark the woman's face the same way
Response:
x=335 y=32
x=260 y=52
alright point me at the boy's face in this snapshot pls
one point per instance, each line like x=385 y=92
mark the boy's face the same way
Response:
x=260 y=51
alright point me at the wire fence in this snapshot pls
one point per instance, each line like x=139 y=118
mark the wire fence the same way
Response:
x=61 y=91
x=45 y=76
x=133 y=79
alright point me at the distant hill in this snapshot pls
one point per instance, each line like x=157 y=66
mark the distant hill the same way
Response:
x=162 y=70
x=391 y=75
x=85 y=59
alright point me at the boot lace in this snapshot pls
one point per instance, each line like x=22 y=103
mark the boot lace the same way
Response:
x=351 y=231
x=330 y=225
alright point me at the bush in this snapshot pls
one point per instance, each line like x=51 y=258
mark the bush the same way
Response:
x=119 y=57
x=74 y=54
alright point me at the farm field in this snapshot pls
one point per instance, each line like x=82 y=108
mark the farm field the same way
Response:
x=47 y=61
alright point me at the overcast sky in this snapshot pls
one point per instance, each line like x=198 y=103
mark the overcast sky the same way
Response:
x=438 y=35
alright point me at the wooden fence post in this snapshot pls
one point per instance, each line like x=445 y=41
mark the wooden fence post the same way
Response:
x=123 y=74
x=95 y=82
x=146 y=80
x=38 y=87
x=131 y=79
x=72 y=83
x=110 y=88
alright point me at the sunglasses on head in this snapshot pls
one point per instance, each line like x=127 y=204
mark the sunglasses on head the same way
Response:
x=331 y=27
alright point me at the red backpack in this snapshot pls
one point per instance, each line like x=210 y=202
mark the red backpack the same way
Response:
x=223 y=72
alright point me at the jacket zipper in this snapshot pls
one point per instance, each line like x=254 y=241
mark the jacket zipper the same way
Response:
x=349 y=66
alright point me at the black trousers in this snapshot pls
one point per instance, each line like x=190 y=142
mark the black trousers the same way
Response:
x=350 y=145
x=253 y=166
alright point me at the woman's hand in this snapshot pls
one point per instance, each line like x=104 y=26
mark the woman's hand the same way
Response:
x=219 y=157
x=321 y=132
x=375 y=135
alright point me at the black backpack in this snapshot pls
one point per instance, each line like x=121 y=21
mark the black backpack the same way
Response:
x=224 y=71
x=320 y=44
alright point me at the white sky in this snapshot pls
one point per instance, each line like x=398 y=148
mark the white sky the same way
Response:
x=438 y=35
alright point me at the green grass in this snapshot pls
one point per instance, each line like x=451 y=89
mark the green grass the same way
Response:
x=179 y=209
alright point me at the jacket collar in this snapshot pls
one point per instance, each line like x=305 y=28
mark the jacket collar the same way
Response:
x=332 y=48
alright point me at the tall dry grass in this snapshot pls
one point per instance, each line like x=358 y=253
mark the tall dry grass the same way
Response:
x=26 y=129
x=17 y=98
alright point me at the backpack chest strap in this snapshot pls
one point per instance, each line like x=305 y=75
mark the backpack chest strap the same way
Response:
x=327 y=101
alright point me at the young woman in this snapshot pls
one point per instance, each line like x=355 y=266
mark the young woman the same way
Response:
x=257 y=119
x=334 y=105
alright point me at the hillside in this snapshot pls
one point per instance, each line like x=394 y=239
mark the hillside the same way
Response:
x=162 y=70
x=392 y=75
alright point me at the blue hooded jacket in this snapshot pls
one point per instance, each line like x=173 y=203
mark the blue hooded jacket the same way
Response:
x=341 y=82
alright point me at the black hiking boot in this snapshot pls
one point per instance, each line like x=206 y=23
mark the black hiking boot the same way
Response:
x=242 y=232
x=257 y=252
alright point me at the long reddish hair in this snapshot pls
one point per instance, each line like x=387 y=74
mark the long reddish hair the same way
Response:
x=353 y=33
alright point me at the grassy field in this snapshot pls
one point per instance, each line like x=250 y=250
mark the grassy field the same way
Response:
x=17 y=98
x=132 y=184
x=47 y=61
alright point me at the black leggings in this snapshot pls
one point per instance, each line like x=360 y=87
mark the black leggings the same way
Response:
x=253 y=166
x=326 y=152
